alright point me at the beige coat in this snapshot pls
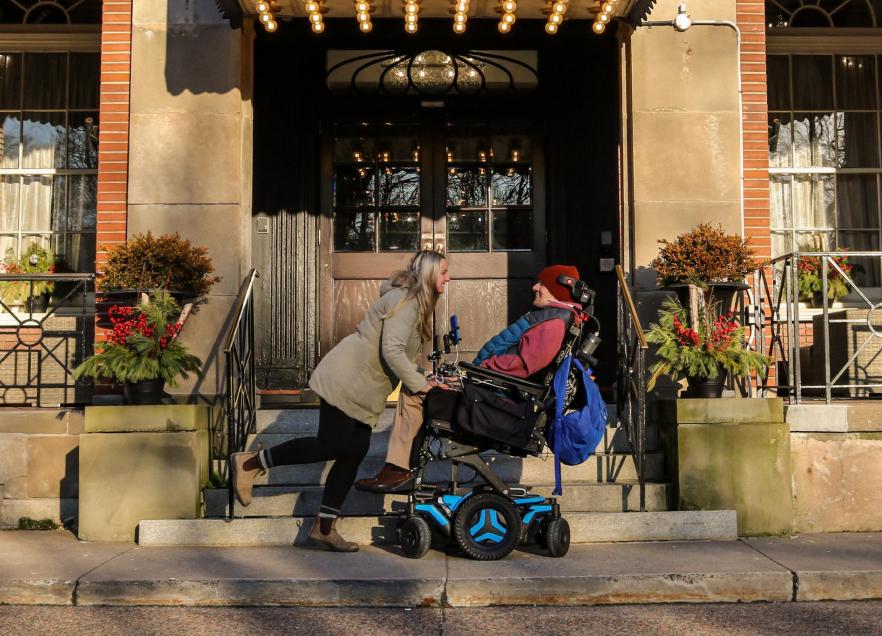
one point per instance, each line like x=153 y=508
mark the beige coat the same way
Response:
x=359 y=373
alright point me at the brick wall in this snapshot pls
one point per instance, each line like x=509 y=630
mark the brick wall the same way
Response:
x=113 y=153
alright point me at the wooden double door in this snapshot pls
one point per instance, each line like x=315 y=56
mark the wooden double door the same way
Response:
x=471 y=186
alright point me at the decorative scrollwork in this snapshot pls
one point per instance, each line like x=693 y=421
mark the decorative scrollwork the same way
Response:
x=782 y=14
x=50 y=12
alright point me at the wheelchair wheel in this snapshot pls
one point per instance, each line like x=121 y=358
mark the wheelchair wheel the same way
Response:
x=416 y=537
x=557 y=537
x=487 y=526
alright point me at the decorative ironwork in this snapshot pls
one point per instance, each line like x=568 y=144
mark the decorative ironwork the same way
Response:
x=786 y=332
x=39 y=348
x=240 y=395
x=50 y=12
x=782 y=14
x=631 y=380
x=432 y=72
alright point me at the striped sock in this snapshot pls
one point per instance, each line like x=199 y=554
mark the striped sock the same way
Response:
x=327 y=516
x=264 y=459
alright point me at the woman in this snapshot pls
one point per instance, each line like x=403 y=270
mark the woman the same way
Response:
x=353 y=381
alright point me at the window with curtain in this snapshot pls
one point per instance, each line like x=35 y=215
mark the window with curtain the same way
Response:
x=824 y=154
x=49 y=154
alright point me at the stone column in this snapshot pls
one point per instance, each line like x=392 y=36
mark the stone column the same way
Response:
x=190 y=156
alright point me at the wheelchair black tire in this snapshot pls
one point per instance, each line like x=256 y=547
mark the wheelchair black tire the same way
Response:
x=557 y=537
x=541 y=535
x=470 y=514
x=415 y=537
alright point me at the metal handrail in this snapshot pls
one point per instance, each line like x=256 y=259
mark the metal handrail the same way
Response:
x=631 y=385
x=777 y=324
x=240 y=394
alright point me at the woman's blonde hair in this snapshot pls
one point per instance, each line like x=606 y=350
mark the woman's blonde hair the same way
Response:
x=420 y=279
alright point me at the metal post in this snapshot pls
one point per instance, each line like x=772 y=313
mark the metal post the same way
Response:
x=793 y=319
x=825 y=261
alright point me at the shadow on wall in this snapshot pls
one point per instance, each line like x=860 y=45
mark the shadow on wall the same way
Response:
x=203 y=52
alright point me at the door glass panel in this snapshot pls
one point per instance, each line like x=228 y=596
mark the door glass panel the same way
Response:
x=399 y=187
x=467 y=231
x=399 y=231
x=354 y=231
x=354 y=187
x=10 y=135
x=466 y=186
x=512 y=229
x=512 y=186
x=82 y=140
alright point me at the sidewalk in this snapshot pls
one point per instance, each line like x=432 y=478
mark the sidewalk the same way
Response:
x=54 y=568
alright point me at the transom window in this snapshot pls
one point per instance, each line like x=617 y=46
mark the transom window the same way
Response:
x=50 y=12
x=49 y=154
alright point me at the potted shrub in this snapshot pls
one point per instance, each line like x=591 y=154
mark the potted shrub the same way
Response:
x=141 y=351
x=703 y=353
x=811 y=284
x=706 y=257
x=36 y=259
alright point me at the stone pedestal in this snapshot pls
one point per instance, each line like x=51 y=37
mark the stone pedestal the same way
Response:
x=731 y=453
x=140 y=462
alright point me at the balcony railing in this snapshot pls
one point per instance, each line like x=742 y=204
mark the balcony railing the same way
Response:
x=43 y=337
x=830 y=351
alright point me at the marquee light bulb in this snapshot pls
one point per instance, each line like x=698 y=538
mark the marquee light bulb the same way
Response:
x=365 y=26
x=555 y=18
x=598 y=27
x=362 y=7
x=607 y=7
x=312 y=7
x=271 y=26
x=459 y=18
x=504 y=27
x=509 y=6
x=265 y=17
x=462 y=7
x=559 y=7
x=508 y=18
x=411 y=18
x=459 y=27
x=603 y=18
x=263 y=7
x=315 y=18
x=363 y=16
x=550 y=28
x=410 y=27
x=318 y=27
x=411 y=8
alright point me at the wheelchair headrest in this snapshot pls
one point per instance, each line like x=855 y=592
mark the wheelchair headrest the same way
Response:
x=579 y=289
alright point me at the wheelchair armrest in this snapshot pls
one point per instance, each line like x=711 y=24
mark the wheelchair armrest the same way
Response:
x=520 y=384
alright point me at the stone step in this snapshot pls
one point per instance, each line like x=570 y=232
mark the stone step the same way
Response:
x=611 y=468
x=615 y=440
x=585 y=527
x=281 y=501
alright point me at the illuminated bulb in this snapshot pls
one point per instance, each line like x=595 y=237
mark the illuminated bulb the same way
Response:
x=271 y=26
x=363 y=16
x=607 y=7
x=315 y=18
x=509 y=6
x=263 y=7
x=462 y=7
x=365 y=27
x=459 y=18
x=555 y=18
x=411 y=18
x=362 y=7
x=508 y=18
x=550 y=28
x=459 y=27
x=318 y=27
x=312 y=7
x=504 y=27
x=598 y=27
x=559 y=7
x=410 y=27
x=412 y=8
x=265 y=17
x=603 y=18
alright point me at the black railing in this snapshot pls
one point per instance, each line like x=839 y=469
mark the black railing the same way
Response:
x=47 y=328
x=240 y=392
x=631 y=380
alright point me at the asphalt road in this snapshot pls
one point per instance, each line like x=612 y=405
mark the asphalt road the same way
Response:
x=803 y=619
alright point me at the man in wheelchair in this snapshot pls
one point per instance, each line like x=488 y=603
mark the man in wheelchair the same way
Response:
x=524 y=349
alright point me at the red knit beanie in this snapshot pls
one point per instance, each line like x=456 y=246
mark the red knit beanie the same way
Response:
x=549 y=276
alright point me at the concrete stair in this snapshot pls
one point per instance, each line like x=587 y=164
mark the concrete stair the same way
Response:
x=599 y=501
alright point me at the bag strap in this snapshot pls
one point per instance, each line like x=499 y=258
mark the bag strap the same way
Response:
x=560 y=394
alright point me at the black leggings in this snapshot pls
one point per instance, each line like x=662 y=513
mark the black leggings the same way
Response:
x=340 y=438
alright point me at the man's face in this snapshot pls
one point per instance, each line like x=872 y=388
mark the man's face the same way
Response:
x=541 y=296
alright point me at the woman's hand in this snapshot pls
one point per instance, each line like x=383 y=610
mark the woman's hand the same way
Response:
x=434 y=384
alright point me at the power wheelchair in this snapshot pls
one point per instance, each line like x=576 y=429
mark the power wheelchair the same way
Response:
x=489 y=520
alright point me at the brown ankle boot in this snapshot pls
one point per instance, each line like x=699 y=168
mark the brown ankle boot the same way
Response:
x=243 y=480
x=331 y=541
x=391 y=478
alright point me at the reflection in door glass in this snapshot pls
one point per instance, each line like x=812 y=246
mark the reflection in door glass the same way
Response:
x=512 y=185
x=467 y=231
x=399 y=186
x=353 y=187
x=512 y=229
x=466 y=187
x=399 y=231
x=354 y=231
